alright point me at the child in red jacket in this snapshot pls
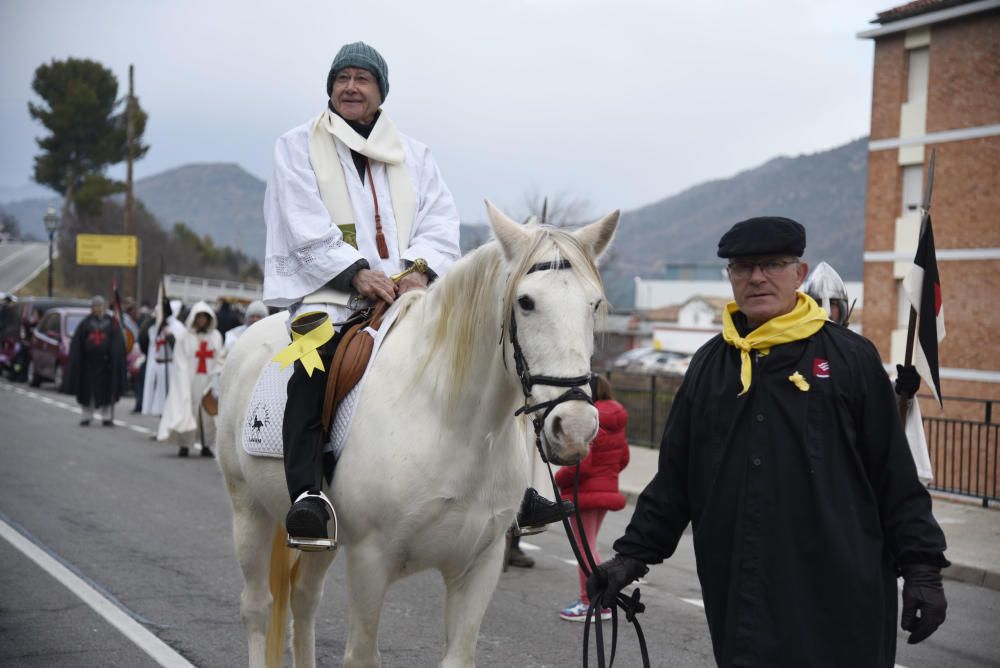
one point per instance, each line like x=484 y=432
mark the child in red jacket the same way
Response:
x=598 y=483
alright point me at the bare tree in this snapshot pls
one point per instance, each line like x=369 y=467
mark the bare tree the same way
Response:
x=561 y=209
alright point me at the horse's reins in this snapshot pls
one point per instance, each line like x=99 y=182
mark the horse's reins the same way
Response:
x=629 y=604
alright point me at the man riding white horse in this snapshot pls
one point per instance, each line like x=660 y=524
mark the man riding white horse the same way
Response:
x=351 y=202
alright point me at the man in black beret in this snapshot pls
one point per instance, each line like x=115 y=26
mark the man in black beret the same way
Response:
x=784 y=450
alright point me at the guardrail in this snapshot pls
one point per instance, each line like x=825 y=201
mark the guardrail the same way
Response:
x=964 y=449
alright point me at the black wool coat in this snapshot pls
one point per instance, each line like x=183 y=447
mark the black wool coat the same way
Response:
x=803 y=503
x=97 y=371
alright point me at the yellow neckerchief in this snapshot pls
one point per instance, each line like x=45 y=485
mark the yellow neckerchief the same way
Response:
x=801 y=322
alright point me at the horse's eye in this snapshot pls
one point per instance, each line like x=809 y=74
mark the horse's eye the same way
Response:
x=527 y=303
x=597 y=305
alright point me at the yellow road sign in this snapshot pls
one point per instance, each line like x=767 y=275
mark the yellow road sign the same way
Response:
x=107 y=250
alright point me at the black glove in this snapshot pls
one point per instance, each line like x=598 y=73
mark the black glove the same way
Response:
x=611 y=576
x=907 y=381
x=923 y=593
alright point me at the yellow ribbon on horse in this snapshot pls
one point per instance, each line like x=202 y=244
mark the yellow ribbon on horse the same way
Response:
x=303 y=347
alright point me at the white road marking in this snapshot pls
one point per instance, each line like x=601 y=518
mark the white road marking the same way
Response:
x=530 y=547
x=75 y=409
x=694 y=601
x=17 y=253
x=159 y=651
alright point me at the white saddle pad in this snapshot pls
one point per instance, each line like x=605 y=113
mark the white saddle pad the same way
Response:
x=265 y=413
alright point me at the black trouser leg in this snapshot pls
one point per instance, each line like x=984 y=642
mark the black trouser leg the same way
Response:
x=302 y=428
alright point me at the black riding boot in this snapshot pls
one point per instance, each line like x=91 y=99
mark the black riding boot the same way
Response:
x=304 y=438
x=537 y=511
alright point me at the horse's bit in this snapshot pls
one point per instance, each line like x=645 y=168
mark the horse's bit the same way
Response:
x=629 y=604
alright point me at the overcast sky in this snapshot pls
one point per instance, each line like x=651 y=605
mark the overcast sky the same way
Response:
x=619 y=102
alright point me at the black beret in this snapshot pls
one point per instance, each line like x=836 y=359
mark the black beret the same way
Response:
x=765 y=235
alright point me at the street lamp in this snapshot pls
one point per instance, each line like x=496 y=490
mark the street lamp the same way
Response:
x=51 y=225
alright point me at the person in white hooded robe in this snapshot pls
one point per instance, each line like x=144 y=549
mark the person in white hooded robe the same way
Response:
x=196 y=352
x=162 y=336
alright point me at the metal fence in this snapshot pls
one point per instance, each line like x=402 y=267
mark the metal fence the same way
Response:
x=964 y=449
x=647 y=400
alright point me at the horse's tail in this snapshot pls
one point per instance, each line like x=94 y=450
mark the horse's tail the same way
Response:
x=284 y=570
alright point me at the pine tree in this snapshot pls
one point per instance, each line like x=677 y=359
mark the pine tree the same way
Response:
x=87 y=125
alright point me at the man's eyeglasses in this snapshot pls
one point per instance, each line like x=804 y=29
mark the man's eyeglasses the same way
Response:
x=770 y=268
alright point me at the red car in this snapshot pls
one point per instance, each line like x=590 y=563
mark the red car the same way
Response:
x=50 y=345
x=18 y=318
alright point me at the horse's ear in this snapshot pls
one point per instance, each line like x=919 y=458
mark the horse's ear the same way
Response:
x=514 y=239
x=596 y=237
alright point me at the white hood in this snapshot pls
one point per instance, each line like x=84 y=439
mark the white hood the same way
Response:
x=201 y=307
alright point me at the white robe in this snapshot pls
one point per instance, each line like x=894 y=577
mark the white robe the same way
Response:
x=157 y=380
x=914 y=428
x=192 y=369
x=305 y=249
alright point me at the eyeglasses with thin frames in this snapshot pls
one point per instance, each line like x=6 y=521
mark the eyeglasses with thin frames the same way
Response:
x=770 y=268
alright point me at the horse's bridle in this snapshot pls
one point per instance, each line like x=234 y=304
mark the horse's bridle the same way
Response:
x=574 y=383
x=629 y=604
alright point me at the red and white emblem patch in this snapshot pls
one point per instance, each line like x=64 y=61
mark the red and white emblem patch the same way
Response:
x=821 y=368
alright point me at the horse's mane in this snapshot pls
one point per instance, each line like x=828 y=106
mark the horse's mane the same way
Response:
x=474 y=297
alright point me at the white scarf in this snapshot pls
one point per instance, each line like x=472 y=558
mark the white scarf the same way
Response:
x=383 y=145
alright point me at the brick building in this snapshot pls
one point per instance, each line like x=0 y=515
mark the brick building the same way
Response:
x=936 y=85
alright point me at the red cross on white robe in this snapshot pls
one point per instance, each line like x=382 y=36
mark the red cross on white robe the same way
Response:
x=203 y=354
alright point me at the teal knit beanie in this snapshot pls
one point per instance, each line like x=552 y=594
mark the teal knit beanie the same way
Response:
x=360 y=55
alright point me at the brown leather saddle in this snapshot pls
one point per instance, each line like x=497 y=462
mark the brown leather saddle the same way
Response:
x=350 y=359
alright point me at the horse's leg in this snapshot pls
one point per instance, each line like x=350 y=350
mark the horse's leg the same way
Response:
x=469 y=594
x=307 y=592
x=368 y=577
x=252 y=533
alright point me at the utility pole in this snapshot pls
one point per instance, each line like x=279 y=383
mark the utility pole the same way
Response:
x=131 y=282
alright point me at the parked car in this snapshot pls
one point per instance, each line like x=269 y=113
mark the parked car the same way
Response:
x=50 y=345
x=18 y=318
x=652 y=361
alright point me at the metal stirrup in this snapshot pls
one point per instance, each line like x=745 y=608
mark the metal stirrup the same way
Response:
x=316 y=544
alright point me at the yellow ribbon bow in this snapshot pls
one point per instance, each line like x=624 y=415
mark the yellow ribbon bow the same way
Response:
x=799 y=381
x=303 y=347
x=801 y=322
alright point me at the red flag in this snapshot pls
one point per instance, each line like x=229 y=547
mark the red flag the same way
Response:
x=923 y=289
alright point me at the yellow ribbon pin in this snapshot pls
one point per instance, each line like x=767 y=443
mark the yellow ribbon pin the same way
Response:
x=799 y=381
x=303 y=347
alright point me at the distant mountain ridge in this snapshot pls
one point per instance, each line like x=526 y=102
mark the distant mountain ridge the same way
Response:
x=825 y=191
x=222 y=200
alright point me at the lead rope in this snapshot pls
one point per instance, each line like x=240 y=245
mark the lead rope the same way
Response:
x=630 y=605
x=383 y=249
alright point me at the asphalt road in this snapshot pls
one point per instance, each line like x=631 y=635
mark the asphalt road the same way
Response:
x=19 y=263
x=152 y=533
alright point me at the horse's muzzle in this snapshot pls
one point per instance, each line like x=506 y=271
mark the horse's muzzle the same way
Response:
x=568 y=431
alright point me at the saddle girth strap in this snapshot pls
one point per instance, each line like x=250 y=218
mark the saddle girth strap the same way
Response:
x=350 y=360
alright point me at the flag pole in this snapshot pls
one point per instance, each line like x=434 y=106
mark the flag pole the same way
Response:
x=911 y=328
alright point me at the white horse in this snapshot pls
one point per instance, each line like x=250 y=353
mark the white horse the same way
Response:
x=435 y=464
